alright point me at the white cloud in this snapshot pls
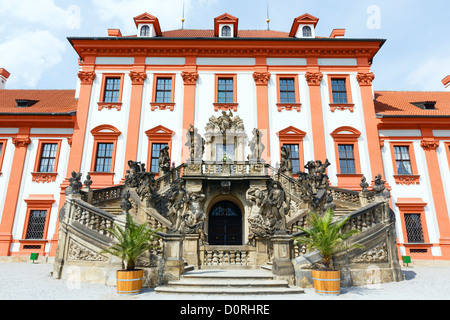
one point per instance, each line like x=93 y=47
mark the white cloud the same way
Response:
x=29 y=56
x=43 y=12
x=428 y=75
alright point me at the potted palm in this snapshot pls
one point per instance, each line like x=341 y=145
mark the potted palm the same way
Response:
x=132 y=242
x=327 y=237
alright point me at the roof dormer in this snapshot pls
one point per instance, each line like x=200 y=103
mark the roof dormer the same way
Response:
x=304 y=26
x=147 y=25
x=225 y=26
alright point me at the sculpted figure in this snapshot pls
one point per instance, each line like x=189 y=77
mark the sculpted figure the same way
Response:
x=192 y=219
x=74 y=183
x=178 y=200
x=280 y=205
x=255 y=145
x=164 y=161
x=286 y=165
x=196 y=143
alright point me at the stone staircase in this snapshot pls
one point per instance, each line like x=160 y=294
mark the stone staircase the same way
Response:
x=228 y=282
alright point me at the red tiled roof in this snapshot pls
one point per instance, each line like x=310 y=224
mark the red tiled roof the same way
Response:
x=49 y=101
x=399 y=103
x=194 y=33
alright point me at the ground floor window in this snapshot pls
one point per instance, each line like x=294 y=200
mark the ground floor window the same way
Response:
x=36 y=224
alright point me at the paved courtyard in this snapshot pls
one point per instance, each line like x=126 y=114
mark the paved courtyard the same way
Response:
x=28 y=281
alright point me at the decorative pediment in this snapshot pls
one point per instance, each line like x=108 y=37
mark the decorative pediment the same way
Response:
x=291 y=131
x=227 y=19
x=105 y=130
x=160 y=131
x=304 y=19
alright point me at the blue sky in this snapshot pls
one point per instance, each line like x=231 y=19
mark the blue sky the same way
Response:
x=34 y=48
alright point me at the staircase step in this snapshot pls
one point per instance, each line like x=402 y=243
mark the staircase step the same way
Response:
x=233 y=282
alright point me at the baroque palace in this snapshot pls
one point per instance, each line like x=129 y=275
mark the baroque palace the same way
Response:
x=226 y=139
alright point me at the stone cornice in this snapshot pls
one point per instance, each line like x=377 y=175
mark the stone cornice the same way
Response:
x=261 y=78
x=189 y=78
x=314 y=78
x=86 y=77
x=365 y=79
x=21 y=142
x=137 y=78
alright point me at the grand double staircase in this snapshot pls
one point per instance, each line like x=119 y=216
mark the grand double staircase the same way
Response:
x=244 y=269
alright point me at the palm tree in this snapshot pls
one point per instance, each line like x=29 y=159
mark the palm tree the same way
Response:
x=132 y=242
x=326 y=236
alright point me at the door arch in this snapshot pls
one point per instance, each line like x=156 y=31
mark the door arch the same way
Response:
x=225 y=224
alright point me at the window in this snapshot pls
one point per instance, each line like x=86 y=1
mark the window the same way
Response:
x=346 y=159
x=287 y=91
x=339 y=91
x=294 y=157
x=225 y=90
x=48 y=157
x=402 y=160
x=225 y=152
x=163 y=90
x=156 y=150
x=307 y=31
x=2 y=152
x=163 y=95
x=112 y=90
x=226 y=31
x=145 y=31
x=414 y=230
x=104 y=157
x=36 y=224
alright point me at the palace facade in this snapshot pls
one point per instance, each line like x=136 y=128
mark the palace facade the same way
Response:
x=307 y=95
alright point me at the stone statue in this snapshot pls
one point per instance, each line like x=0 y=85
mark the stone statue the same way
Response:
x=193 y=217
x=261 y=221
x=286 y=163
x=256 y=146
x=178 y=200
x=380 y=189
x=364 y=184
x=74 y=184
x=196 y=143
x=280 y=204
x=126 y=203
x=224 y=121
x=164 y=161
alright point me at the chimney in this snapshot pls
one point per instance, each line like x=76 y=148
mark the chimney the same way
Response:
x=446 y=83
x=4 y=75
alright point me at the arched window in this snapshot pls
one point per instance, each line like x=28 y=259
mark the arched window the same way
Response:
x=307 y=31
x=145 y=31
x=226 y=31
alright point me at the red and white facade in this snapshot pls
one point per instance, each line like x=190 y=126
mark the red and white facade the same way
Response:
x=312 y=93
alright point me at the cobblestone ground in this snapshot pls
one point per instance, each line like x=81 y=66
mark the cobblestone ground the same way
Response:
x=28 y=281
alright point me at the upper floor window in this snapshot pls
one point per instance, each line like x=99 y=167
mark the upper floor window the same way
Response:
x=145 y=31
x=112 y=90
x=307 y=31
x=48 y=157
x=346 y=158
x=402 y=160
x=163 y=90
x=226 y=31
x=339 y=91
x=294 y=156
x=225 y=90
x=104 y=157
x=287 y=91
x=156 y=151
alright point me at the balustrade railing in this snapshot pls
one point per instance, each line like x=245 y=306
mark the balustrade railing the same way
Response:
x=229 y=256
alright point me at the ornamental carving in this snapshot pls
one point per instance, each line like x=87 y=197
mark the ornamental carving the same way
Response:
x=342 y=106
x=377 y=254
x=429 y=144
x=42 y=177
x=261 y=78
x=189 y=78
x=137 y=77
x=78 y=252
x=314 y=78
x=86 y=77
x=110 y=105
x=365 y=79
x=21 y=142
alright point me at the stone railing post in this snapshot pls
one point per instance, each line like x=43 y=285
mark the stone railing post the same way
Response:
x=173 y=256
x=282 y=267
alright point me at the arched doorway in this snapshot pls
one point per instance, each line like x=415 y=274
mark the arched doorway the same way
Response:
x=225 y=224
